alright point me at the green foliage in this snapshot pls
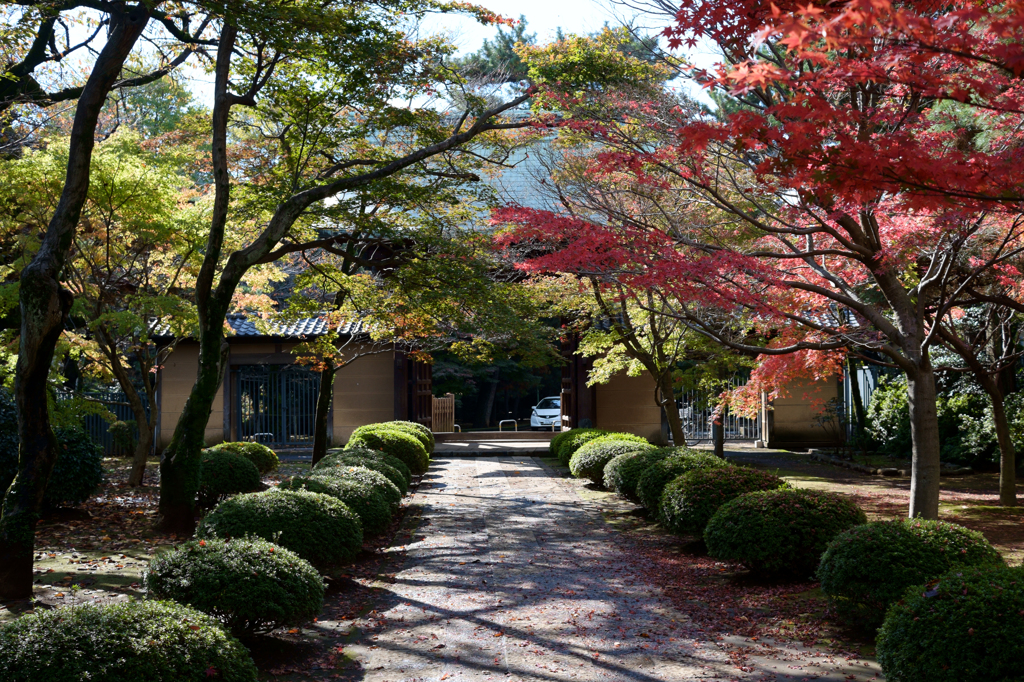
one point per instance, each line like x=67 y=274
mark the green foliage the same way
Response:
x=123 y=434
x=259 y=454
x=371 y=459
x=966 y=625
x=319 y=528
x=688 y=502
x=782 y=531
x=223 y=473
x=395 y=443
x=966 y=426
x=250 y=585
x=498 y=59
x=135 y=641
x=571 y=441
x=623 y=473
x=590 y=460
x=369 y=494
x=421 y=432
x=869 y=567
x=77 y=472
x=653 y=481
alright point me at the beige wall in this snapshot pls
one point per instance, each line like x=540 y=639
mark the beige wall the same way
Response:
x=793 y=417
x=627 y=404
x=176 y=380
x=364 y=392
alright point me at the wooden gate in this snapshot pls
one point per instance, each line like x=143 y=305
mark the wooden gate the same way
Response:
x=443 y=417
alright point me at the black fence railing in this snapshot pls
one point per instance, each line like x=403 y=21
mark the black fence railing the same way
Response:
x=98 y=426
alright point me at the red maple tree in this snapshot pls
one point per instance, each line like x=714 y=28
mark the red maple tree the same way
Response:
x=861 y=181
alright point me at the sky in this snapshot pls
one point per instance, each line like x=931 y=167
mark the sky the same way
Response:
x=543 y=17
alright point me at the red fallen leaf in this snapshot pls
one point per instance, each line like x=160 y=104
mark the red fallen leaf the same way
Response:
x=211 y=672
x=202 y=543
x=293 y=631
x=193 y=627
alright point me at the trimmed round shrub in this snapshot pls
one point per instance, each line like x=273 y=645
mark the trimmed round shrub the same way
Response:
x=967 y=625
x=259 y=454
x=367 y=476
x=573 y=440
x=395 y=443
x=317 y=527
x=371 y=459
x=688 y=502
x=223 y=473
x=250 y=585
x=623 y=473
x=590 y=460
x=370 y=498
x=135 y=641
x=422 y=433
x=653 y=481
x=782 y=531
x=867 y=568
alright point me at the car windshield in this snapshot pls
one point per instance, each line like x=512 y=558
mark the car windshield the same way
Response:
x=549 y=404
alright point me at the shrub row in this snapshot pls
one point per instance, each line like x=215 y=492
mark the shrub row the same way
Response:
x=252 y=568
x=590 y=460
x=403 y=440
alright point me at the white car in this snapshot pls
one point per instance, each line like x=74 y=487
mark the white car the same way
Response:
x=547 y=412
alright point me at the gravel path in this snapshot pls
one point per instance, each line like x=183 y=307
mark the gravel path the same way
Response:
x=514 y=577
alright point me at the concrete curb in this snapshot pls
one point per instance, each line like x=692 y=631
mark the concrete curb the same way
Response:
x=946 y=470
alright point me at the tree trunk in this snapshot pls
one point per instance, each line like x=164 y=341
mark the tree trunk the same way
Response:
x=323 y=408
x=924 y=429
x=718 y=434
x=488 y=408
x=179 y=464
x=44 y=305
x=1007 y=454
x=675 y=424
x=858 y=400
x=142 y=450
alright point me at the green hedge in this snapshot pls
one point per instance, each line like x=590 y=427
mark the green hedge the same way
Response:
x=368 y=498
x=422 y=433
x=571 y=441
x=395 y=443
x=689 y=502
x=135 y=641
x=780 y=532
x=868 y=568
x=681 y=460
x=250 y=585
x=259 y=454
x=319 y=528
x=223 y=473
x=590 y=460
x=371 y=459
x=623 y=473
x=967 y=626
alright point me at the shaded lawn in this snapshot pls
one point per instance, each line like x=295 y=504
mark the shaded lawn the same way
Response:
x=970 y=501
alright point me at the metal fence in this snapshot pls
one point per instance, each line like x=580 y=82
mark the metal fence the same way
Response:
x=275 y=404
x=98 y=426
x=697 y=407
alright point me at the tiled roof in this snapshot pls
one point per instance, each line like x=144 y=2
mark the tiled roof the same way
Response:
x=245 y=326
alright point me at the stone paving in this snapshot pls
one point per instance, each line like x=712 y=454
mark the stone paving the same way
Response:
x=513 y=576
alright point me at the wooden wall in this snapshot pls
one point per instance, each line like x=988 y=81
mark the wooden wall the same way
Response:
x=792 y=418
x=364 y=392
x=627 y=404
x=176 y=380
